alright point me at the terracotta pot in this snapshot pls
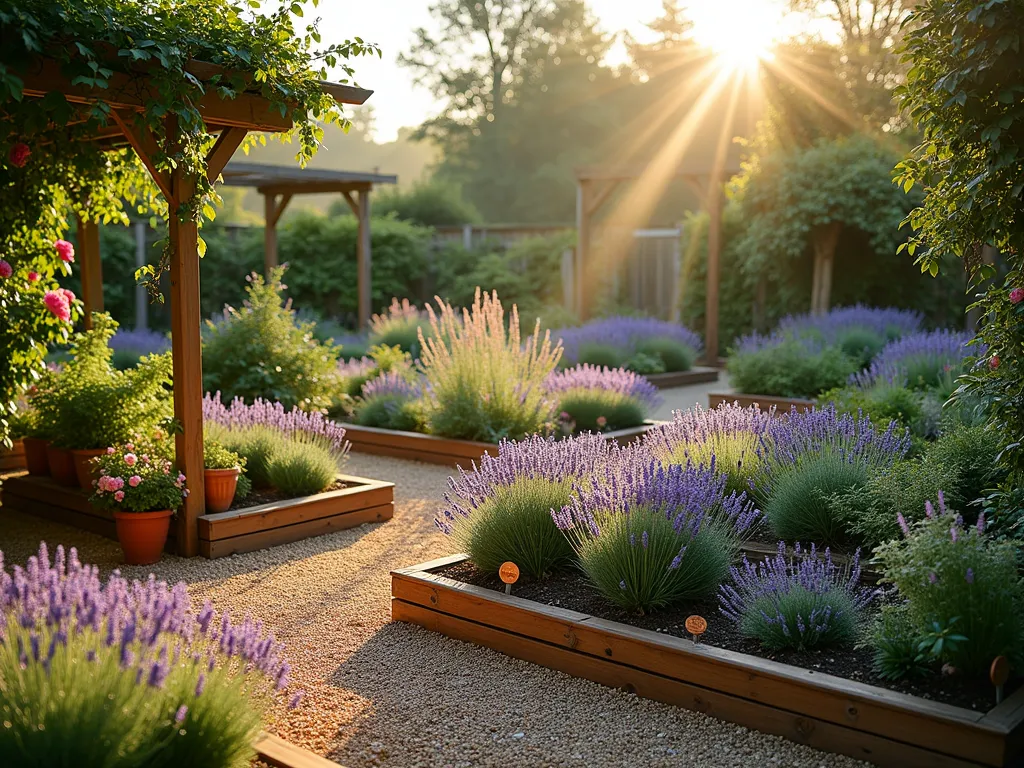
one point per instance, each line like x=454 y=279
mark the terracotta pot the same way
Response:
x=12 y=459
x=62 y=465
x=219 y=485
x=36 y=460
x=83 y=469
x=142 y=535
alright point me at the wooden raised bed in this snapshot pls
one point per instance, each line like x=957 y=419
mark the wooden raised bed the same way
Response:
x=12 y=458
x=822 y=711
x=696 y=375
x=442 y=450
x=226 y=533
x=275 y=751
x=781 y=404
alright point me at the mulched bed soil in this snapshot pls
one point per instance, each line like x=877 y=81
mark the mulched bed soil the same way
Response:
x=570 y=590
x=266 y=496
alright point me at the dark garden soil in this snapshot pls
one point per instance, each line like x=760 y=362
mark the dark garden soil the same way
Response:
x=268 y=495
x=570 y=590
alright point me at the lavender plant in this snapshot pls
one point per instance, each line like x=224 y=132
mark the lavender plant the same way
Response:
x=648 y=536
x=115 y=675
x=482 y=383
x=266 y=413
x=602 y=399
x=919 y=361
x=302 y=466
x=841 y=323
x=806 y=458
x=131 y=345
x=804 y=601
x=728 y=435
x=613 y=341
x=391 y=401
x=956 y=575
x=501 y=510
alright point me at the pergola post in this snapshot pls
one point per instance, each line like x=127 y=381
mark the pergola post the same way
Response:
x=91 y=268
x=714 y=203
x=364 y=259
x=273 y=207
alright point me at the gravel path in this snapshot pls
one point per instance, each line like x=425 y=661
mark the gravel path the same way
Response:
x=397 y=696
x=681 y=398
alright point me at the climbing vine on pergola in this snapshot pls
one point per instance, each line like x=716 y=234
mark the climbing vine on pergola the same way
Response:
x=181 y=83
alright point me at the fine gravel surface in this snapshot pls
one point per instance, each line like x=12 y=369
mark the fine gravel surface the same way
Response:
x=394 y=695
x=682 y=398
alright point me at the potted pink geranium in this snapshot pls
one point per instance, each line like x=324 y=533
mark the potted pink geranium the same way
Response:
x=143 y=490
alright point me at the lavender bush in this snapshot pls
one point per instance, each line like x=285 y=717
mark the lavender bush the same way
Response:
x=614 y=341
x=501 y=510
x=832 y=327
x=602 y=399
x=956 y=575
x=801 y=602
x=807 y=458
x=130 y=345
x=391 y=401
x=787 y=367
x=919 y=361
x=647 y=535
x=265 y=413
x=482 y=383
x=116 y=675
x=727 y=435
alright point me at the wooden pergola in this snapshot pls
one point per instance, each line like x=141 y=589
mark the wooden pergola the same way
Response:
x=704 y=175
x=279 y=184
x=127 y=97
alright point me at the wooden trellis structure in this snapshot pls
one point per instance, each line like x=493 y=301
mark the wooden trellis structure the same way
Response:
x=278 y=185
x=127 y=96
x=594 y=187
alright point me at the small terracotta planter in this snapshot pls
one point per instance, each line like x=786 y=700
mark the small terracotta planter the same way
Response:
x=83 y=468
x=36 y=461
x=219 y=485
x=142 y=535
x=62 y=465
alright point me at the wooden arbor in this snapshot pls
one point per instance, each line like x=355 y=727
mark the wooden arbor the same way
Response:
x=127 y=97
x=278 y=184
x=594 y=186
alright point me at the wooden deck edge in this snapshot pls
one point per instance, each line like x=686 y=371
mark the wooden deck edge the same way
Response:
x=696 y=375
x=986 y=738
x=275 y=751
x=765 y=401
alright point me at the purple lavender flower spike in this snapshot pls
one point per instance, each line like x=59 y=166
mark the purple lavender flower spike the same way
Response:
x=623 y=333
x=618 y=380
x=969 y=576
x=179 y=716
x=394 y=385
x=931 y=354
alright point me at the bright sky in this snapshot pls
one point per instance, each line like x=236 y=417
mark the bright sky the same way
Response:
x=390 y=23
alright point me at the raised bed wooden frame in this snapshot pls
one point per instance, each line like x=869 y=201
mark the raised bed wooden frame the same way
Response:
x=696 y=375
x=822 y=711
x=275 y=751
x=442 y=450
x=781 y=404
x=226 y=533
x=13 y=458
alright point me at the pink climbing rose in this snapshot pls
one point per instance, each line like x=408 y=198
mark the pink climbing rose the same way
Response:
x=993 y=362
x=134 y=481
x=1017 y=295
x=33 y=277
x=65 y=250
x=19 y=154
x=69 y=295
x=57 y=303
x=130 y=459
x=5 y=269
x=119 y=496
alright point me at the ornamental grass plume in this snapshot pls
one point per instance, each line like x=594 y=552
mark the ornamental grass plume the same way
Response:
x=602 y=399
x=399 y=326
x=649 y=535
x=804 y=601
x=807 y=458
x=502 y=509
x=113 y=674
x=482 y=382
x=918 y=361
x=728 y=435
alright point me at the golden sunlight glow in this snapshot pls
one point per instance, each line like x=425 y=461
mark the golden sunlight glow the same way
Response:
x=740 y=32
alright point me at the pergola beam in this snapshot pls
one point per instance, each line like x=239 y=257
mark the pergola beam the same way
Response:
x=145 y=145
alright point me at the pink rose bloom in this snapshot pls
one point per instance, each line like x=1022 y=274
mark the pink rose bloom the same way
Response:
x=130 y=459
x=19 y=154
x=1017 y=295
x=119 y=496
x=110 y=451
x=129 y=446
x=134 y=481
x=145 y=458
x=6 y=270
x=68 y=295
x=993 y=362
x=65 y=250
x=57 y=304
x=33 y=277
